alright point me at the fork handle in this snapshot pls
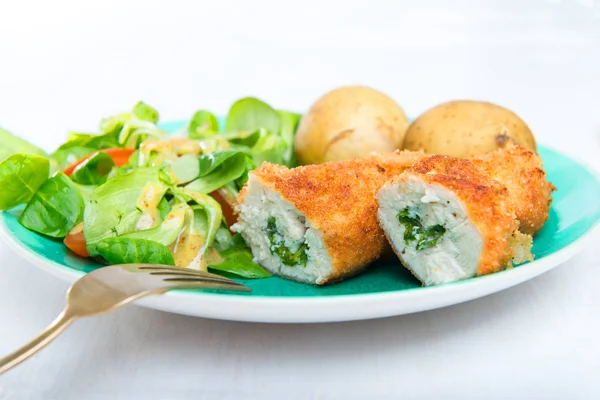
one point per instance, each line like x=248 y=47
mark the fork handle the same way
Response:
x=49 y=334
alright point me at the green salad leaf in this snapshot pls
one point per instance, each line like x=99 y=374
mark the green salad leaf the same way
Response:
x=94 y=170
x=120 y=250
x=11 y=144
x=238 y=261
x=67 y=156
x=251 y=113
x=90 y=141
x=185 y=168
x=289 y=124
x=269 y=147
x=237 y=257
x=212 y=214
x=203 y=124
x=122 y=130
x=146 y=113
x=166 y=233
x=85 y=191
x=21 y=175
x=55 y=208
x=164 y=208
x=217 y=169
x=115 y=208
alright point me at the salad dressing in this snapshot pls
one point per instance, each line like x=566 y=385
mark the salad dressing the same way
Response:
x=148 y=205
x=187 y=248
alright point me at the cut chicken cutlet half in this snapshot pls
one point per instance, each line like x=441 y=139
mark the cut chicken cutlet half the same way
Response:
x=317 y=223
x=448 y=221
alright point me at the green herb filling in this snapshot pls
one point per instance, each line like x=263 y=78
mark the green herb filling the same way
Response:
x=414 y=230
x=288 y=257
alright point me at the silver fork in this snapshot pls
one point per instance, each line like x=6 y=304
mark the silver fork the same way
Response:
x=109 y=288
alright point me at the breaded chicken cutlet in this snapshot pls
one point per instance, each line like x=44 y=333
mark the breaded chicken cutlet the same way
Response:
x=521 y=171
x=515 y=167
x=317 y=223
x=447 y=221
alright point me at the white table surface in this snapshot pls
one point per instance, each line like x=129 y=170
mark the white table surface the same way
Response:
x=65 y=64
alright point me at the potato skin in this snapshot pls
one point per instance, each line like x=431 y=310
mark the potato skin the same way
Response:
x=348 y=123
x=466 y=128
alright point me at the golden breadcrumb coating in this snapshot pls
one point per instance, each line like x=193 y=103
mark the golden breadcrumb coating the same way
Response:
x=520 y=170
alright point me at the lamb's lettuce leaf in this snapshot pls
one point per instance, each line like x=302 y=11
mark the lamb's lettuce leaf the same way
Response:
x=217 y=169
x=67 y=156
x=185 y=168
x=210 y=212
x=11 y=144
x=251 y=113
x=115 y=208
x=120 y=250
x=21 y=175
x=94 y=170
x=146 y=113
x=166 y=233
x=203 y=124
x=289 y=124
x=237 y=261
x=122 y=130
x=55 y=208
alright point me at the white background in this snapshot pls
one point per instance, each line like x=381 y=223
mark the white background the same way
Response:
x=64 y=64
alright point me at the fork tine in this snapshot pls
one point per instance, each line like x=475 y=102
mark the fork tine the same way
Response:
x=182 y=273
x=207 y=284
x=174 y=269
x=223 y=286
x=190 y=279
x=170 y=276
x=217 y=286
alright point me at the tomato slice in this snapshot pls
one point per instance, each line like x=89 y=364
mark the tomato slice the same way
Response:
x=75 y=241
x=120 y=157
x=230 y=217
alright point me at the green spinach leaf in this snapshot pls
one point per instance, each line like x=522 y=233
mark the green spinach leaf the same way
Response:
x=287 y=256
x=21 y=175
x=426 y=237
x=121 y=250
x=55 y=208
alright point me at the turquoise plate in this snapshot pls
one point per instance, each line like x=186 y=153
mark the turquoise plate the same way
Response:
x=385 y=289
